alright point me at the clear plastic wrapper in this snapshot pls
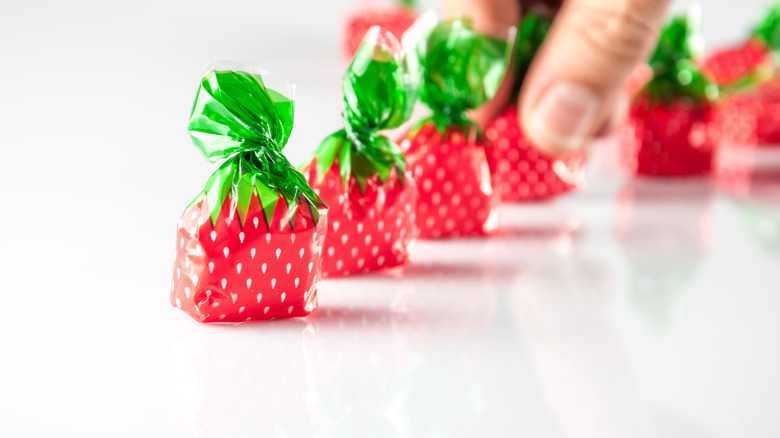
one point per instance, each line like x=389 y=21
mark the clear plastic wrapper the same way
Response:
x=449 y=157
x=249 y=246
x=360 y=173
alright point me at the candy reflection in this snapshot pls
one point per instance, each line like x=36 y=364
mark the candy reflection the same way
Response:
x=664 y=230
x=560 y=308
x=247 y=380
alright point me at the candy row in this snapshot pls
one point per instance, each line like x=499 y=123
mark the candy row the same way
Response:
x=255 y=243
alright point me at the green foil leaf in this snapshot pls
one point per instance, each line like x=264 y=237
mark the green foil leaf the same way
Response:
x=768 y=31
x=236 y=118
x=531 y=33
x=675 y=75
x=379 y=93
x=462 y=69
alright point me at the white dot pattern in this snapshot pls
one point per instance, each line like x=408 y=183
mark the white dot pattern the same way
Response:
x=520 y=172
x=368 y=224
x=451 y=169
x=667 y=140
x=231 y=265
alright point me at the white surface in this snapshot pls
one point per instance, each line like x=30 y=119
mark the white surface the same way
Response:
x=549 y=330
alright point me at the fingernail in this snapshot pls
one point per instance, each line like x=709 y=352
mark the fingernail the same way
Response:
x=565 y=116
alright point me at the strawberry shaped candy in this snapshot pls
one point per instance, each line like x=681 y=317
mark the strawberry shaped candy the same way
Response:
x=751 y=118
x=748 y=116
x=360 y=173
x=395 y=18
x=751 y=63
x=666 y=133
x=461 y=70
x=248 y=247
x=521 y=171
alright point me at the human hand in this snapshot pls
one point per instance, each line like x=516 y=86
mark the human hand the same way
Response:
x=573 y=90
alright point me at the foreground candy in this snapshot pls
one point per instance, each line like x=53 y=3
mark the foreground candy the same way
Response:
x=248 y=247
x=750 y=63
x=360 y=173
x=522 y=172
x=667 y=133
x=462 y=71
x=396 y=18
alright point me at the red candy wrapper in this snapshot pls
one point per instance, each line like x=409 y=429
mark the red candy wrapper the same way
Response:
x=453 y=175
x=667 y=132
x=447 y=155
x=751 y=119
x=729 y=67
x=395 y=18
x=371 y=229
x=742 y=67
x=667 y=139
x=248 y=247
x=360 y=173
x=521 y=172
x=748 y=115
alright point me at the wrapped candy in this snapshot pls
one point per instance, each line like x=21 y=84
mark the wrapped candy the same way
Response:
x=360 y=173
x=751 y=119
x=447 y=155
x=395 y=17
x=752 y=62
x=249 y=245
x=748 y=115
x=522 y=172
x=667 y=133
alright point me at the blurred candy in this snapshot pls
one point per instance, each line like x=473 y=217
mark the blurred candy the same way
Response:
x=667 y=133
x=395 y=18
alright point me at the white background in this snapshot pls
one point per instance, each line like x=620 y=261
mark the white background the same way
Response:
x=540 y=330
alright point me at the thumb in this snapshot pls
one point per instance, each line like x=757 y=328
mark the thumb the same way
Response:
x=577 y=77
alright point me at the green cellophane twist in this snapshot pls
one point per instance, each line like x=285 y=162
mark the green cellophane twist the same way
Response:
x=531 y=32
x=462 y=69
x=236 y=118
x=675 y=74
x=379 y=93
x=767 y=34
x=768 y=31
